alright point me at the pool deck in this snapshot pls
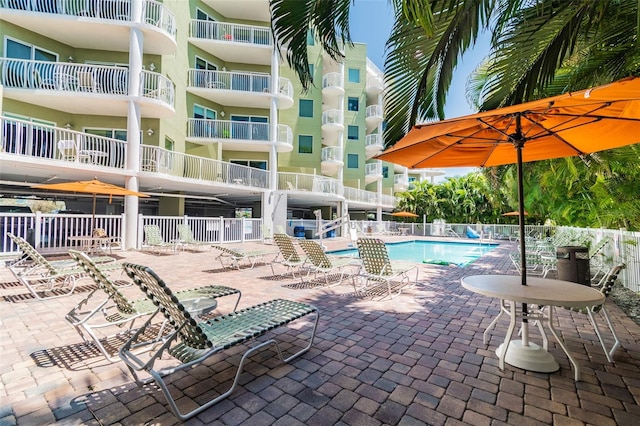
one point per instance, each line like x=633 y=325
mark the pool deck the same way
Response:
x=414 y=360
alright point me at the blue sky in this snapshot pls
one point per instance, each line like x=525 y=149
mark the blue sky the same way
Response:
x=371 y=22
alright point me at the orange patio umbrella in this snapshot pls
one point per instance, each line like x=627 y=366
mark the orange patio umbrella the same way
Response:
x=515 y=214
x=576 y=123
x=94 y=187
x=404 y=214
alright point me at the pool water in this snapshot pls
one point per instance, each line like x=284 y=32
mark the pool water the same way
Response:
x=434 y=252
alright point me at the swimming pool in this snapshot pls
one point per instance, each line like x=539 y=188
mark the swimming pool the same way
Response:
x=435 y=252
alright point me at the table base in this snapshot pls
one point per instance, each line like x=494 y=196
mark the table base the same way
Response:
x=531 y=358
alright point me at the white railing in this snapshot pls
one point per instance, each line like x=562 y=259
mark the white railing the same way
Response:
x=64 y=77
x=400 y=179
x=373 y=169
x=25 y=138
x=388 y=200
x=157 y=86
x=360 y=195
x=332 y=153
x=210 y=30
x=226 y=80
x=233 y=130
x=374 y=139
x=285 y=88
x=332 y=116
x=158 y=160
x=209 y=229
x=154 y=13
x=284 y=134
x=304 y=182
x=332 y=79
x=374 y=111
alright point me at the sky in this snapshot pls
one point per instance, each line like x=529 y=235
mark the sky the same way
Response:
x=371 y=22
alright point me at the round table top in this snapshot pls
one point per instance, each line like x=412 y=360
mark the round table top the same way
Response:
x=540 y=291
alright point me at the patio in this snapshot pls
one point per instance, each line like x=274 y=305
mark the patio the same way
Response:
x=418 y=359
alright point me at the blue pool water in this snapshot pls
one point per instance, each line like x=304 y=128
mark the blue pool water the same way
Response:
x=431 y=252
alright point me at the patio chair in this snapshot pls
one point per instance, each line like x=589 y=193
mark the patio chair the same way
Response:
x=50 y=279
x=107 y=242
x=187 y=239
x=231 y=257
x=320 y=262
x=377 y=266
x=288 y=255
x=153 y=239
x=192 y=342
x=449 y=232
x=597 y=263
x=382 y=230
x=96 y=312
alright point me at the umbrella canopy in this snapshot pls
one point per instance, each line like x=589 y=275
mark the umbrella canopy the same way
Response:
x=515 y=214
x=94 y=187
x=404 y=214
x=572 y=124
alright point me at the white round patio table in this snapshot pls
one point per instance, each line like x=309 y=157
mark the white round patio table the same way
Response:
x=538 y=291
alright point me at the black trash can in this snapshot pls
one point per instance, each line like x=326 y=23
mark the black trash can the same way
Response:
x=298 y=231
x=573 y=264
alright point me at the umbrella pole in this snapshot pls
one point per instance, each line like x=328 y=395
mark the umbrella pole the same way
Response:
x=93 y=215
x=519 y=143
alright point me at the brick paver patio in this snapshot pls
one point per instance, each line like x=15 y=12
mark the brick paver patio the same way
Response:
x=417 y=359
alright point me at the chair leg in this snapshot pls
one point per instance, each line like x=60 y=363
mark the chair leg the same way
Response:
x=616 y=344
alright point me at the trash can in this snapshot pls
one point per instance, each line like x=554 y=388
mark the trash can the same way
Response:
x=298 y=231
x=573 y=264
x=308 y=234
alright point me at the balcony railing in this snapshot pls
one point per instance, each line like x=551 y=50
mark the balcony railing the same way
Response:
x=154 y=13
x=360 y=195
x=245 y=82
x=374 y=111
x=373 y=169
x=305 y=182
x=332 y=79
x=158 y=160
x=211 y=30
x=400 y=180
x=332 y=116
x=332 y=153
x=34 y=140
x=81 y=78
x=233 y=130
x=373 y=140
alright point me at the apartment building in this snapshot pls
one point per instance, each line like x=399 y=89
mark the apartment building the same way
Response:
x=190 y=103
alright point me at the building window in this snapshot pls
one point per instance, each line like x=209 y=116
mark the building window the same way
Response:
x=203 y=112
x=385 y=171
x=311 y=69
x=310 y=38
x=352 y=161
x=256 y=164
x=352 y=104
x=305 y=144
x=353 y=133
x=354 y=75
x=305 y=108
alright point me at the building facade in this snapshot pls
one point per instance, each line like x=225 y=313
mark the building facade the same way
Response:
x=190 y=103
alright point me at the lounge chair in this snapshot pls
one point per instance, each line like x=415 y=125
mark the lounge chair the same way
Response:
x=187 y=239
x=449 y=232
x=377 y=267
x=96 y=311
x=267 y=234
x=50 y=279
x=288 y=255
x=320 y=262
x=231 y=257
x=192 y=342
x=153 y=239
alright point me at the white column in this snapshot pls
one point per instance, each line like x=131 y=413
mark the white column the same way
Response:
x=270 y=197
x=133 y=125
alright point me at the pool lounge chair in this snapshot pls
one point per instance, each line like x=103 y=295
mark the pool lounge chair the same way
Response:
x=231 y=257
x=192 y=342
x=187 y=239
x=155 y=242
x=320 y=262
x=107 y=307
x=377 y=267
x=50 y=279
x=288 y=255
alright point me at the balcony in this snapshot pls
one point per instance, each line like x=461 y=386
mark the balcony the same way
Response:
x=240 y=89
x=42 y=151
x=373 y=145
x=253 y=10
x=332 y=159
x=373 y=172
x=332 y=88
x=400 y=182
x=84 y=89
x=374 y=117
x=303 y=188
x=95 y=24
x=182 y=171
x=332 y=125
x=238 y=136
x=375 y=84
x=243 y=44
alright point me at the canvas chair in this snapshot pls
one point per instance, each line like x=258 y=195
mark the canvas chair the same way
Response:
x=49 y=279
x=96 y=312
x=187 y=239
x=377 y=267
x=231 y=257
x=153 y=239
x=69 y=151
x=192 y=342
x=320 y=262
x=288 y=255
